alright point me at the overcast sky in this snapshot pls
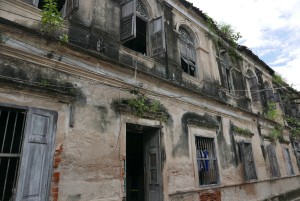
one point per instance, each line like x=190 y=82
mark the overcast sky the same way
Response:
x=270 y=28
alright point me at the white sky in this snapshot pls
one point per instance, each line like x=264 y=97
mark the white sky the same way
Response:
x=270 y=28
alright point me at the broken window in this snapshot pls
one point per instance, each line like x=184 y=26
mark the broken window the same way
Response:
x=226 y=71
x=26 y=155
x=287 y=157
x=188 y=52
x=134 y=25
x=275 y=171
x=206 y=161
x=248 y=161
x=66 y=7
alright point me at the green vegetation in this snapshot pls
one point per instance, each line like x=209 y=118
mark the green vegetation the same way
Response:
x=52 y=21
x=271 y=112
x=278 y=79
x=3 y=38
x=276 y=134
x=242 y=131
x=142 y=106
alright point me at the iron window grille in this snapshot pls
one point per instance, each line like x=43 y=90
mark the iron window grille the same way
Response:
x=296 y=146
x=12 y=123
x=206 y=161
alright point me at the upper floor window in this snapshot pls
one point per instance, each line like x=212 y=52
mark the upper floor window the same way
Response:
x=206 y=161
x=187 y=52
x=253 y=86
x=226 y=67
x=136 y=27
x=66 y=7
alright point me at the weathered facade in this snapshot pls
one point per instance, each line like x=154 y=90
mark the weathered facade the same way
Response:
x=140 y=104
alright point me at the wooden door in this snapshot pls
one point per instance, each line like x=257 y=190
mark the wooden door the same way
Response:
x=153 y=174
x=37 y=156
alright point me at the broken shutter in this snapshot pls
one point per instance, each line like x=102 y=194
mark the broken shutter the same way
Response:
x=128 y=20
x=288 y=161
x=153 y=167
x=254 y=89
x=37 y=156
x=273 y=161
x=157 y=36
x=70 y=7
x=248 y=161
x=296 y=148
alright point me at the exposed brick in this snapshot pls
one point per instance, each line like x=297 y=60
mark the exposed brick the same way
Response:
x=55 y=177
x=210 y=196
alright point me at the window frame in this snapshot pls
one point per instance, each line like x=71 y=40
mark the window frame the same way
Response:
x=214 y=160
x=288 y=161
x=273 y=161
x=189 y=57
x=246 y=169
x=296 y=150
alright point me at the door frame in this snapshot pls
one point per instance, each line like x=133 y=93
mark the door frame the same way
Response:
x=121 y=134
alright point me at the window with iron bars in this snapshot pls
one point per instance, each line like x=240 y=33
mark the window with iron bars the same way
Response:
x=11 y=138
x=206 y=161
x=289 y=165
x=248 y=161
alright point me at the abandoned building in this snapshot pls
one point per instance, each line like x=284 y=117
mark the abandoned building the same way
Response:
x=139 y=100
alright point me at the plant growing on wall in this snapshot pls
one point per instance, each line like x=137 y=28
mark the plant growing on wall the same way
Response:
x=276 y=133
x=242 y=131
x=52 y=21
x=278 y=79
x=142 y=106
x=271 y=111
x=221 y=32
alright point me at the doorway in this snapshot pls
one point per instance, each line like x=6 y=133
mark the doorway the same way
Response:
x=143 y=163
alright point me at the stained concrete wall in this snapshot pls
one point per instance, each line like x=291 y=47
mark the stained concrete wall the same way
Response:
x=92 y=160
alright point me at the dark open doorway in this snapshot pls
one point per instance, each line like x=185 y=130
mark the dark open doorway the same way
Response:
x=134 y=167
x=143 y=163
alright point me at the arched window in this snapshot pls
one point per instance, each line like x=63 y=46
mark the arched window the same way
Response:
x=188 y=52
x=134 y=25
x=226 y=66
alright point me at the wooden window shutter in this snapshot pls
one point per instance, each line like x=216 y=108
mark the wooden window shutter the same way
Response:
x=157 y=36
x=183 y=49
x=128 y=20
x=248 y=161
x=273 y=161
x=70 y=7
x=37 y=155
x=191 y=53
x=254 y=89
x=288 y=161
